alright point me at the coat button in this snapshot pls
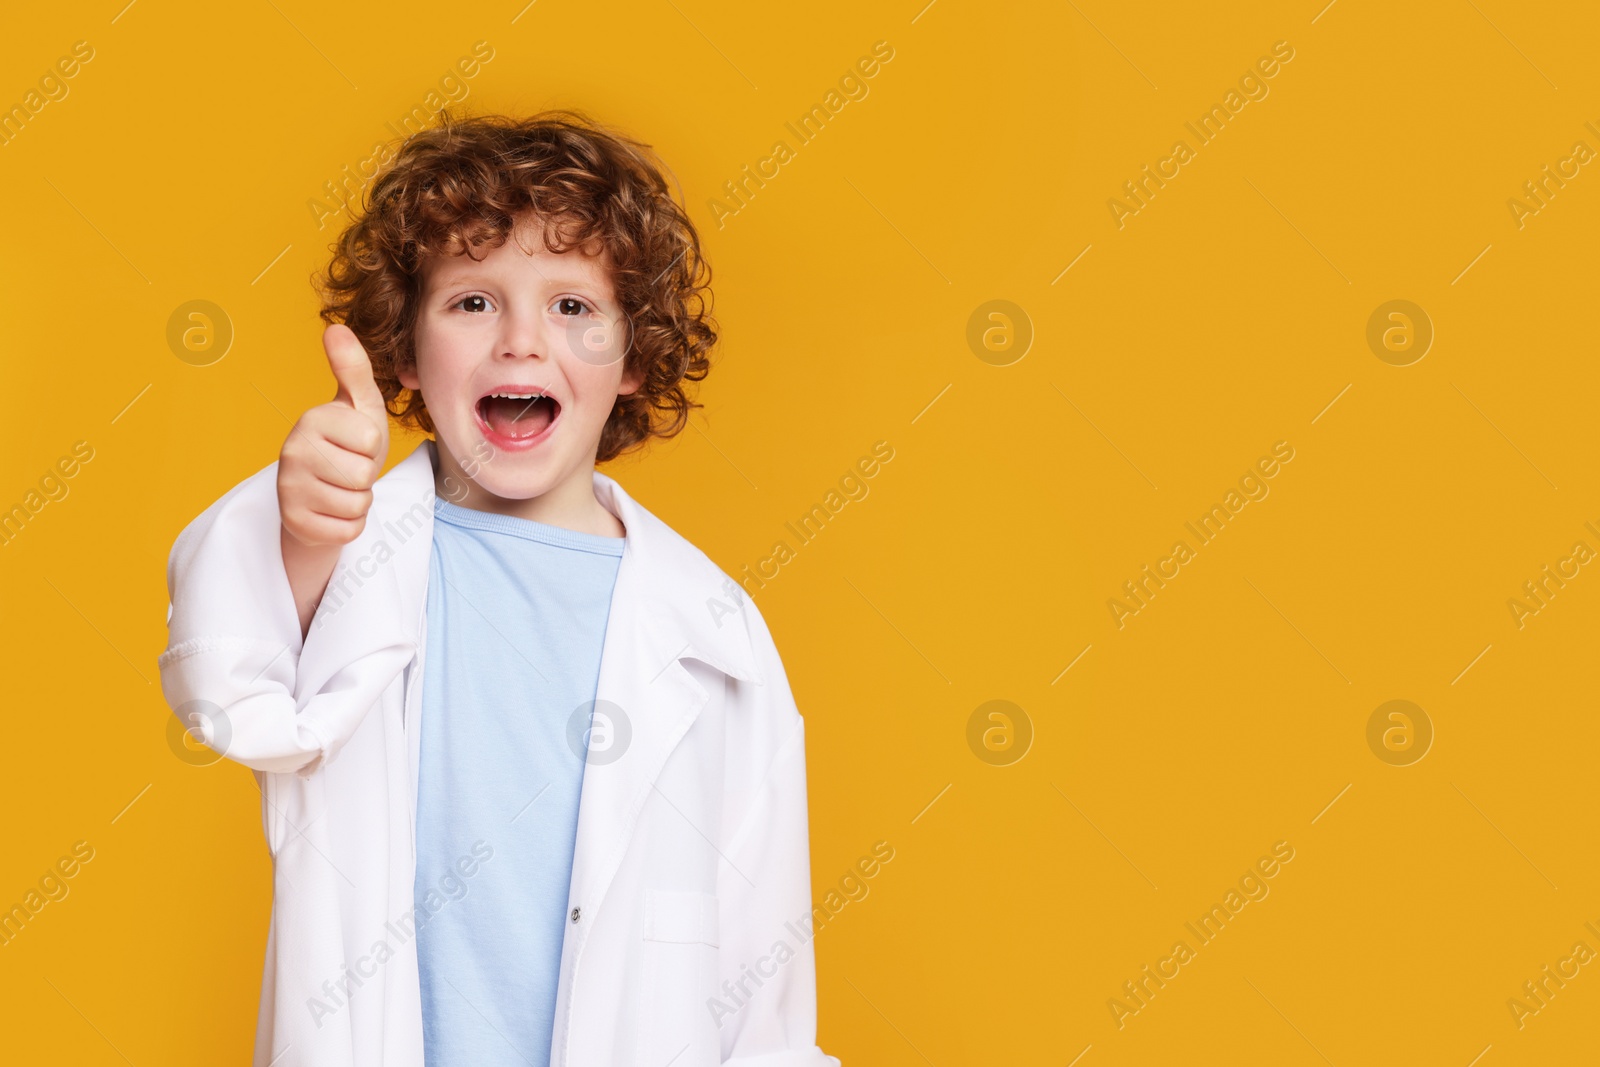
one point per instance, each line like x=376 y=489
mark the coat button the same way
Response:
x=576 y=914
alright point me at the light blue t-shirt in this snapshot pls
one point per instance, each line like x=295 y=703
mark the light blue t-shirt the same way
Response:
x=517 y=614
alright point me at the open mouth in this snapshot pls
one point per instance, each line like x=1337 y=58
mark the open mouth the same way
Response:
x=515 y=416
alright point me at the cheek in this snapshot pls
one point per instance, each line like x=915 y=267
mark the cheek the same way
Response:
x=598 y=388
x=423 y=352
x=591 y=381
x=439 y=361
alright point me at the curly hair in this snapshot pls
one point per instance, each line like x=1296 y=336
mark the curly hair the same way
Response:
x=466 y=182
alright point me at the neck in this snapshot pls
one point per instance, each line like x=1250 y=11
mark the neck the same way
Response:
x=569 y=504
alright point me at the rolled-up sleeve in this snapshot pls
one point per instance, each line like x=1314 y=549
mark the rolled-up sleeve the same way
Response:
x=232 y=669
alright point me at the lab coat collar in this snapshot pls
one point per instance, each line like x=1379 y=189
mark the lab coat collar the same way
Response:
x=684 y=606
x=670 y=603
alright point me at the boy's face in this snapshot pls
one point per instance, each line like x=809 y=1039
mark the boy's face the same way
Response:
x=520 y=361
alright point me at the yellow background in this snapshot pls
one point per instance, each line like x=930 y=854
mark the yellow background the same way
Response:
x=1223 y=317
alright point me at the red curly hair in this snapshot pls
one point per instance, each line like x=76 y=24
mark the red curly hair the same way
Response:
x=466 y=182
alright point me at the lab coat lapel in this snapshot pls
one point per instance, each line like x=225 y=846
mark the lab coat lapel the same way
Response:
x=412 y=484
x=666 y=607
x=669 y=603
x=644 y=703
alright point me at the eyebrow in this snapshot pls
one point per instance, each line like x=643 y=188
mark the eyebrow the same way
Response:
x=451 y=276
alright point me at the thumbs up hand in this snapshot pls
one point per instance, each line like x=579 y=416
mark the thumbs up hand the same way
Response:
x=335 y=452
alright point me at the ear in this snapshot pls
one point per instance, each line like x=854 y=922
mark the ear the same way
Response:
x=408 y=377
x=631 y=381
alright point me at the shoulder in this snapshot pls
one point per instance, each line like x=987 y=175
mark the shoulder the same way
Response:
x=230 y=556
x=244 y=521
x=689 y=593
x=252 y=503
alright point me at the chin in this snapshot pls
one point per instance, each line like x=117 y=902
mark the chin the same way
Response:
x=516 y=488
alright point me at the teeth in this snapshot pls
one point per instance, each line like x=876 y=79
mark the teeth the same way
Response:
x=518 y=396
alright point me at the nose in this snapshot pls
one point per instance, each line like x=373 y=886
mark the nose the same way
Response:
x=521 y=332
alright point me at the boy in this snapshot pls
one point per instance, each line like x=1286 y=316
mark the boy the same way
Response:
x=579 y=835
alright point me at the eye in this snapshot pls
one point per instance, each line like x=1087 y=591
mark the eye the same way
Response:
x=571 y=305
x=479 y=304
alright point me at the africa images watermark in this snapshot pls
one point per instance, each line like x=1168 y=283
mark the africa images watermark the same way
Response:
x=53 y=886
x=852 y=485
x=52 y=87
x=852 y=86
x=452 y=886
x=1252 y=84
x=1538 y=591
x=719 y=608
x=852 y=887
x=1538 y=992
x=1538 y=192
x=347 y=191
x=1252 y=887
x=52 y=487
x=1252 y=485
x=365 y=567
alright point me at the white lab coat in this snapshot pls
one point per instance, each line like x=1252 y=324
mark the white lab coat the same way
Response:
x=688 y=940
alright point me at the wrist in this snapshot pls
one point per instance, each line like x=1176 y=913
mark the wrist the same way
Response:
x=308 y=568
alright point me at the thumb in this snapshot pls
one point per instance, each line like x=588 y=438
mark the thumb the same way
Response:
x=352 y=369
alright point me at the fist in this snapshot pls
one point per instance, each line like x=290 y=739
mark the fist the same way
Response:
x=335 y=452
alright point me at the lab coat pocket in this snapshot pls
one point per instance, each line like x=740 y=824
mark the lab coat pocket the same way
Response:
x=680 y=966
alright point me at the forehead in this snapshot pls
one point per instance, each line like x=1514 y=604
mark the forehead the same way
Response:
x=524 y=249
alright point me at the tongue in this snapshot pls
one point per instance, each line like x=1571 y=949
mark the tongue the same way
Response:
x=517 y=418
